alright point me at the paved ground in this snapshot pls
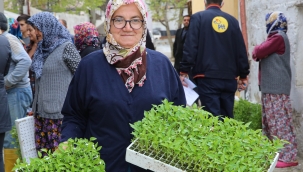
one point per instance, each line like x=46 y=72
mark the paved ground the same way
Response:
x=162 y=46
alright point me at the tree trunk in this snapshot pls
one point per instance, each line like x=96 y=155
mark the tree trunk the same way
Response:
x=28 y=7
x=180 y=18
x=21 y=4
x=169 y=38
x=93 y=16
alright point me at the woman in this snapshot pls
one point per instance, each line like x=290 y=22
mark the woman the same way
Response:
x=112 y=88
x=54 y=63
x=275 y=82
x=31 y=49
x=31 y=31
x=5 y=119
x=86 y=38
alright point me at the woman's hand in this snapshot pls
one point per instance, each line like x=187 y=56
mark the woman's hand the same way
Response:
x=63 y=145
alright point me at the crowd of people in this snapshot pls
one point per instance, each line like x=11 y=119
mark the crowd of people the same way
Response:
x=76 y=85
x=38 y=61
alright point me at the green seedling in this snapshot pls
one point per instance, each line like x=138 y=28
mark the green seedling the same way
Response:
x=193 y=140
x=77 y=155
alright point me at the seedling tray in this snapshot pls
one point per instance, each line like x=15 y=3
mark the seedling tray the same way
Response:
x=26 y=135
x=162 y=164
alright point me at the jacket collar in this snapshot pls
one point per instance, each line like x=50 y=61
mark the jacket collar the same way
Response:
x=213 y=6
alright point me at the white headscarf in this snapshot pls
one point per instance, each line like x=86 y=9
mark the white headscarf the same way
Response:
x=116 y=53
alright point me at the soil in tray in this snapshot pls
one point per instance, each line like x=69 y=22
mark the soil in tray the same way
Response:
x=167 y=161
x=157 y=157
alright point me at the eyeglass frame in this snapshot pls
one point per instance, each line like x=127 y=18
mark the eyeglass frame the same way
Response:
x=129 y=21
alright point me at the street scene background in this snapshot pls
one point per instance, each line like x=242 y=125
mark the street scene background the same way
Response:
x=255 y=11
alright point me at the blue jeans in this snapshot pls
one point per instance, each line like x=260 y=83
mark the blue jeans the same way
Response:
x=19 y=101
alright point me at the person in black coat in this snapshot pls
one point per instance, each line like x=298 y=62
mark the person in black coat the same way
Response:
x=179 y=41
x=215 y=54
x=5 y=119
x=149 y=42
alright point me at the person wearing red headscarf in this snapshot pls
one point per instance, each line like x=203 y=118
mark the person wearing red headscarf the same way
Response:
x=86 y=38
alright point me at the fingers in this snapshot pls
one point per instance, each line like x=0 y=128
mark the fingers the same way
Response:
x=242 y=84
x=184 y=84
x=182 y=77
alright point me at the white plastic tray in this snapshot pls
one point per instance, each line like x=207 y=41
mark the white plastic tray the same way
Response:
x=26 y=134
x=152 y=164
x=274 y=163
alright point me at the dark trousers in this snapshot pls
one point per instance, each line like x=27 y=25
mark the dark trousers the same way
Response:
x=1 y=152
x=217 y=95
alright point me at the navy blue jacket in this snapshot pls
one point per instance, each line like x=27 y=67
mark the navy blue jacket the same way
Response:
x=212 y=54
x=99 y=105
x=5 y=58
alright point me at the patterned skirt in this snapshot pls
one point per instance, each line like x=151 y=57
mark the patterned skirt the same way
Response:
x=47 y=133
x=277 y=121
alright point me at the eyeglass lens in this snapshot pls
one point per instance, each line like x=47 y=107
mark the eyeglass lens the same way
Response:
x=120 y=23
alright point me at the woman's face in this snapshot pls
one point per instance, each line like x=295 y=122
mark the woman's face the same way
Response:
x=127 y=37
x=31 y=33
x=39 y=35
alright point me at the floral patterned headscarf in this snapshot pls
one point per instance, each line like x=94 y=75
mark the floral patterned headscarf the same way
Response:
x=275 y=21
x=54 y=35
x=86 y=34
x=130 y=63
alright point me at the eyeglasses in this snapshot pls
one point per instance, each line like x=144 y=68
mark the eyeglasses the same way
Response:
x=120 y=23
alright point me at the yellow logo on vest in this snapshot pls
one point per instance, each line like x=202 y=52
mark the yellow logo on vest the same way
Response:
x=220 y=24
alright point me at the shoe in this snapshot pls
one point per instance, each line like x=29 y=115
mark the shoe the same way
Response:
x=281 y=164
